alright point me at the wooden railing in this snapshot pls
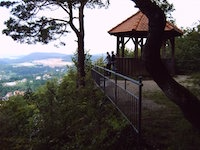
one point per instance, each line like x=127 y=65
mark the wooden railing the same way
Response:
x=135 y=67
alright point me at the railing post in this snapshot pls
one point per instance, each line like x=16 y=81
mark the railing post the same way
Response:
x=125 y=84
x=140 y=109
x=116 y=87
x=104 y=83
x=104 y=80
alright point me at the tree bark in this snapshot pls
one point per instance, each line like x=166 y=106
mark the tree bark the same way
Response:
x=80 y=33
x=187 y=102
x=81 y=51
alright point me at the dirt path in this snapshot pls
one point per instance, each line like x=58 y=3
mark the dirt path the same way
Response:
x=148 y=86
x=151 y=86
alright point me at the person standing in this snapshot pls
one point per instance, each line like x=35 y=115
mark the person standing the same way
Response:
x=113 y=61
x=108 y=62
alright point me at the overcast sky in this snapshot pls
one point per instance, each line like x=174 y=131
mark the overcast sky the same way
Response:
x=97 y=24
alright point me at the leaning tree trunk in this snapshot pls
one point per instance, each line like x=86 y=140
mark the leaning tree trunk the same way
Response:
x=188 y=103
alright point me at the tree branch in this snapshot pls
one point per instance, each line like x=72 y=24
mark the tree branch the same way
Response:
x=71 y=19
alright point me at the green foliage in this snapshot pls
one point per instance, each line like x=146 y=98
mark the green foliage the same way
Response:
x=18 y=123
x=100 y=62
x=128 y=52
x=167 y=7
x=60 y=116
x=87 y=61
x=194 y=84
x=188 y=51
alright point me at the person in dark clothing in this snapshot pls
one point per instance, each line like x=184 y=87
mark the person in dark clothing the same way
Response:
x=108 y=62
x=113 y=61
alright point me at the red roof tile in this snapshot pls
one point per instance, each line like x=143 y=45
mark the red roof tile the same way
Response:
x=137 y=26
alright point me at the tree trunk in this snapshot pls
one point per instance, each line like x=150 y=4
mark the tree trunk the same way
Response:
x=81 y=53
x=81 y=62
x=80 y=33
x=188 y=103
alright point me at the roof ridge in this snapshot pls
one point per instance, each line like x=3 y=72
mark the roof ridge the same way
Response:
x=123 y=21
x=140 y=18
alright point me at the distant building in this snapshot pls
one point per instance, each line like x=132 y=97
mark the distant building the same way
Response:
x=46 y=76
x=15 y=93
x=7 y=96
x=10 y=84
x=10 y=94
x=38 y=78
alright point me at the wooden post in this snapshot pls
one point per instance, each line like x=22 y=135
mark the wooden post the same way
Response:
x=172 y=41
x=118 y=44
x=123 y=46
x=163 y=52
x=142 y=45
x=136 y=48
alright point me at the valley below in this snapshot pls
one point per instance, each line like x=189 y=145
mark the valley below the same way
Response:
x=31 y=71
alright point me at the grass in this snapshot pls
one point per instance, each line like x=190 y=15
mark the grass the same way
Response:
x=166 y=128
x=195 y=80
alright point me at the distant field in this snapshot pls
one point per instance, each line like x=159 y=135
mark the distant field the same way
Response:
x=50 y=62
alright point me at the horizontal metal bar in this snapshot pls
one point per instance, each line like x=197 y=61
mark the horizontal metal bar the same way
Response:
x=120 y=75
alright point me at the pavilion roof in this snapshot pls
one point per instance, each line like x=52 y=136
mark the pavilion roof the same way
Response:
x=137 y=26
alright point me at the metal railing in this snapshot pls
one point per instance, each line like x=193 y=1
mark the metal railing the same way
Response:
x=124 y=92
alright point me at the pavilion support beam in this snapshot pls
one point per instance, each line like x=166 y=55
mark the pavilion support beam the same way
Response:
x=123 y=46
x=172 y=41
x=163 y=52
x=141 y=43
x=136 y=48
x=118 y=46
x=128 y=40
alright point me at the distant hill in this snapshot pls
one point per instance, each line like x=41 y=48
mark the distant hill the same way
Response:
x=36 y=56
x=39 y=56
x=4 y=61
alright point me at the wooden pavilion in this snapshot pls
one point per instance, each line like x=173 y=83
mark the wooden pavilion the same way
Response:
x=135 y=29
